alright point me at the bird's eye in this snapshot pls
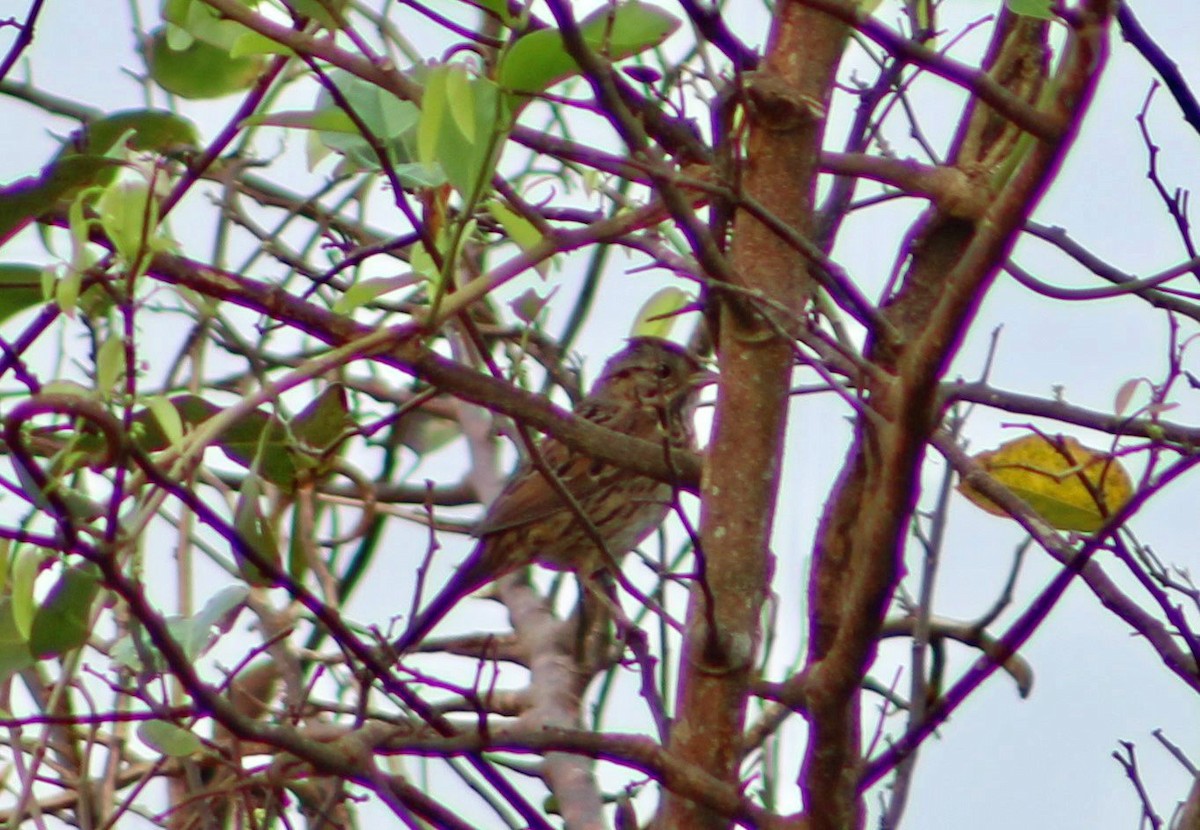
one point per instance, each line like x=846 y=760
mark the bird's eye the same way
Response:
x=663 y=371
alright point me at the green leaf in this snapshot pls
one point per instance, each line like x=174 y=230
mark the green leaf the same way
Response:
x=423 y=433
x=129 y=215
x=148 y=432
x=519 y=229
x=79 y=226
x=922 y=11
x=391 y=121
x=535 y=62
x=469 y=162
x=167 y=417
x=110 y=364
x=25 y=569
x=14 y=645
x=368 y=290
x=66 y=291
x=195 y=634
x=318 y=433
x=257 y=441
x=329 y=13
x=202 y=70
x=326 y=120
x=26 y=199
x=385 y=115
x=76 y=504
x=539 y=60
x=299 y=555
x=63 y=623
x=325 y=422
x=528 y=305
x=192 y=20
x=422 y=262
x=179 y=38
x=256 y=43
x=20 y=288
x=176 y=11
x=223 y=607
x=143 y=130
x=315 y=150
x=499 y=8
x=125 y=654
x=169 y=739
x=418 y=175
x=460 y=99
x=260 y=443
x=628 y=29
x=433 y=110
x=139 y=654
x=68 y=387
x=256 y=531
x=1041 y=9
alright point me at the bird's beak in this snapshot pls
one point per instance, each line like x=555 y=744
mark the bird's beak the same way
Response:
x=702 y=379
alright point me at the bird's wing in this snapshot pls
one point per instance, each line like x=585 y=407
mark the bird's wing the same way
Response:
x=529 y=498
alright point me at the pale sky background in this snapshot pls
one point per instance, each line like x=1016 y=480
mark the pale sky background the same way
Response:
x=1002 y=762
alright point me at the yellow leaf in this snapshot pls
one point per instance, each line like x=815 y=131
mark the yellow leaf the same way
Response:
x=1070 y=486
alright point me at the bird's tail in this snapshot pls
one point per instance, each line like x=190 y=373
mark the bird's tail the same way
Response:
x=471 y=576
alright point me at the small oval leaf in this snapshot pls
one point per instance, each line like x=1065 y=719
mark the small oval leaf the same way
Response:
x=657 y=315
x=24 y=573
x=14 y=645
x=167 y=417
x=169 y=739
x=110 y=364
x=63 y=623
x=1125 y=395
